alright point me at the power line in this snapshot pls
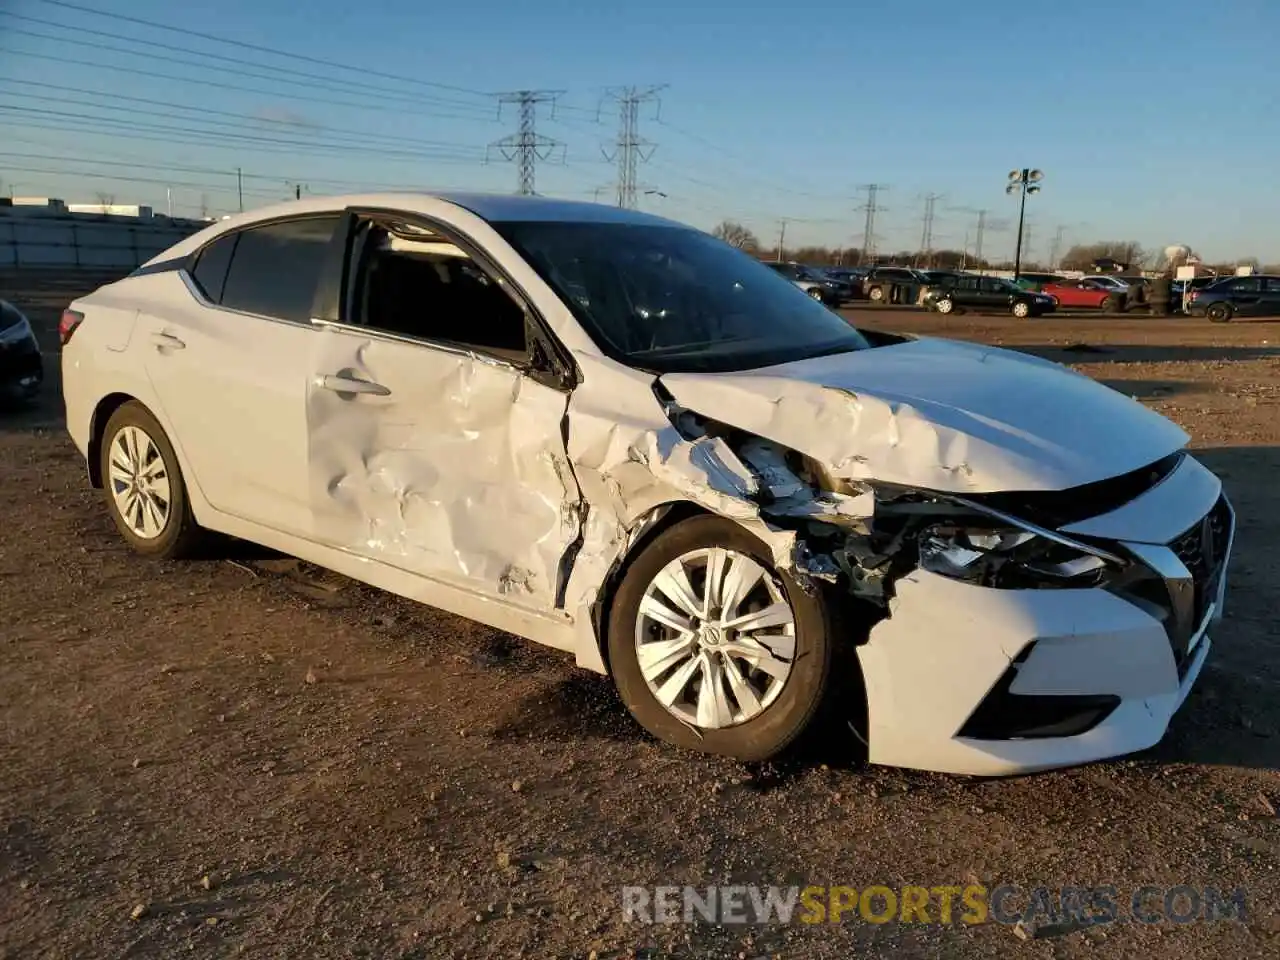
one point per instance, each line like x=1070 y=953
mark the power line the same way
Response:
x=243 y=138
x=526 y=146
x=327 y=101
x=327 y=64
x=326 y=80
x=240 y=123
x=630 y=148
x=311 y=83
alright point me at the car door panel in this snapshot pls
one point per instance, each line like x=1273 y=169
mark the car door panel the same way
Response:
x=231 y=386
x=454 y=469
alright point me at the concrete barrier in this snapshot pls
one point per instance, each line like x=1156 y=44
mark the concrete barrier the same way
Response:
x=80 y=241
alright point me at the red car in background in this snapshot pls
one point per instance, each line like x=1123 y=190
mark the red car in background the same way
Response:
x=1084 y=293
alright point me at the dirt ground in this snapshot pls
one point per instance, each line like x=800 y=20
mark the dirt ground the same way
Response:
x=272 y=761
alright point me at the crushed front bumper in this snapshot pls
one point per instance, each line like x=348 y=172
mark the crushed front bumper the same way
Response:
x=970 y=680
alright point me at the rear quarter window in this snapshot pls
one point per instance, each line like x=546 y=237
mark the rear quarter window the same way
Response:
x=276 y=267
x=211 y=263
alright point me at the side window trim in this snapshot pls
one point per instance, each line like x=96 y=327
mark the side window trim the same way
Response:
x=186 y=269
x=542 y=347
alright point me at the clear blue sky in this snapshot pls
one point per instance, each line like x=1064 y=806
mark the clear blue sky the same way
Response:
x=1154 y=121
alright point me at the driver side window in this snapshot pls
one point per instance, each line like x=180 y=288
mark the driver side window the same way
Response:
x=410 y=281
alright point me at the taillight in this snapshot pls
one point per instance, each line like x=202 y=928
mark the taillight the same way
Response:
x=67 y=325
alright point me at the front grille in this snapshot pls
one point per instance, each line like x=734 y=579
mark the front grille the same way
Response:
x=1203 y=551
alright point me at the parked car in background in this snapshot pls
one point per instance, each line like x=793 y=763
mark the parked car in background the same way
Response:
x=813 y=282
x=1180 y=288
x=1257 y=295
x=1115 y=283
x=1036 y=281
x=617 y=436
x=21 y=367
x=1086 y=294
x=875 y=285
x=851 y=276
x=988 y=293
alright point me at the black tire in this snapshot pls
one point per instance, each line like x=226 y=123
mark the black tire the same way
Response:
x=180 y=536
x=1111 y=304
x=1219 y=312
x=1021 y=309
x=876 y=294
x=783 y=721
x=817 y=294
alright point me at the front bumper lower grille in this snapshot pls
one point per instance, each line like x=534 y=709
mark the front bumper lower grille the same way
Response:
x=1202 y=550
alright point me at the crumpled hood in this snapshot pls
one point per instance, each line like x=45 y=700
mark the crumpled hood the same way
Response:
x=939 y=414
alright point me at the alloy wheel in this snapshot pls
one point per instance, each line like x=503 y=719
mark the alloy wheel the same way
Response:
x=715 y=638
x=139 y=482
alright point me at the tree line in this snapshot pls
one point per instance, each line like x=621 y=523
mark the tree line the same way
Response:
x=1081 y=256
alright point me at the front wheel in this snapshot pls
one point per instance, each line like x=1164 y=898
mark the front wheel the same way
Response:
x=945 y=305
x=1021 y=309
x=1111 y=305
x=816 y=294
x=714 y=648
x=876 y=294
x=1219 y=312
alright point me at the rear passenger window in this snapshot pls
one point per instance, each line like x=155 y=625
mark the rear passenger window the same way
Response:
x=210 y=273
x=276 y=267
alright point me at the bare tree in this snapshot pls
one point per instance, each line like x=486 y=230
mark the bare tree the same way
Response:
x=1084 y=255
x=105 y=199
x=736 y=235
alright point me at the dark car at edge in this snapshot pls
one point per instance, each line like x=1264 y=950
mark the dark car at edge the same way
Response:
x=992 y=294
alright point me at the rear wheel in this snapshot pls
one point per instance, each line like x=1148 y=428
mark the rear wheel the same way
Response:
x=945 y=305
x=1021 y=309
x=816 y=294
x=1111 y=304
x=714 y=648
x=1219 y=312
x=876 y=294
x=143 y=483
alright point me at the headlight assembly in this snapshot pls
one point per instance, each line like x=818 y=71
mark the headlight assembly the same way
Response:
x=1008 y=558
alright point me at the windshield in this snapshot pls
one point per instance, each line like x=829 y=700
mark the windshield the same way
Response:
x=670 y=298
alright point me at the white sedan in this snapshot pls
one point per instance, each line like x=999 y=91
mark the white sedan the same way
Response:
x=620 y=437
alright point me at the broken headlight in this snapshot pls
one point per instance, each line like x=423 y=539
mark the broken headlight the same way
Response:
x=1008 y=558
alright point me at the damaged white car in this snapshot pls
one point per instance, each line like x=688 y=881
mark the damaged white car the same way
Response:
x=615 y=435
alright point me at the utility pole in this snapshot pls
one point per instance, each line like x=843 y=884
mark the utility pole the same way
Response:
x=926 y=234
x=782 y=239
x=871 y=207
x=1026 y=239
x=168 y=201
x=240 y=188
x=977 y=245
x=204 y=206
x=1022 y=182
x=630 y=149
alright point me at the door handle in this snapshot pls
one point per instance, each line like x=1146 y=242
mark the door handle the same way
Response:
x=341 y=384
x=167 y=341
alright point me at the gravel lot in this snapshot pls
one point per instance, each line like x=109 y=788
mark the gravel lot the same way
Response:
x=270 y=760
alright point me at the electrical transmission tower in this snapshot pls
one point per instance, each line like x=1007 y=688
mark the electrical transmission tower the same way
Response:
x=526 y=146
x=631 y=149
x=926 y=233
x=1055 y=248
x=871 y=207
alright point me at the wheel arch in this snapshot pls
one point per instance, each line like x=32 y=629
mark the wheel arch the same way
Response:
x=658 y=518
x=98 y=426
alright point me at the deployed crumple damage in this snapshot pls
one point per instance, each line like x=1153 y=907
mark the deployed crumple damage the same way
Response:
x=938 y=415
x=459 y=473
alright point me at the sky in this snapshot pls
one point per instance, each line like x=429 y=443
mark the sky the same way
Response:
x=1154 y=122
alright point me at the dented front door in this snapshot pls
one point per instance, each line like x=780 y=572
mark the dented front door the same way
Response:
x=441 y=463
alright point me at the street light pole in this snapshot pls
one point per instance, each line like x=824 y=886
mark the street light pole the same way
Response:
x=1022 y=182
